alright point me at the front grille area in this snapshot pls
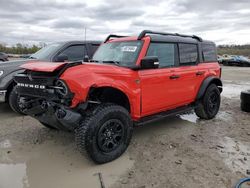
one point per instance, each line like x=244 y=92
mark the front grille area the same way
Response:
x=35 y=86
x=34 y=92
x=44 y=87
x=26 y=79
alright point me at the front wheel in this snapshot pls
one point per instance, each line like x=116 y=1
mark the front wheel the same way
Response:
x=14 y=101
x=105 y=134
x=209 y=105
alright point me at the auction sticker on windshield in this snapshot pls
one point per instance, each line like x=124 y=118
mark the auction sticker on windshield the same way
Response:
x=129 y=48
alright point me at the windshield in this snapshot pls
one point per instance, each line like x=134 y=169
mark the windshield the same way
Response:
x=122 y=53
x=44 y=53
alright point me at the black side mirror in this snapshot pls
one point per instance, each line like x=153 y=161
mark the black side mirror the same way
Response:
x=86 y=58
x=62 y=58
x=150 y=62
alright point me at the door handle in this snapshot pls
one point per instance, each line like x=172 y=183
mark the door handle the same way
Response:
x=174 y=77
x=199 y=73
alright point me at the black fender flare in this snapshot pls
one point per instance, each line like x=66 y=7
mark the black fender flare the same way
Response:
x=209 y=80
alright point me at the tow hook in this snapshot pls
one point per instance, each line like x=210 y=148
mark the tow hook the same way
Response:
x=60 y=114
x=68 y=117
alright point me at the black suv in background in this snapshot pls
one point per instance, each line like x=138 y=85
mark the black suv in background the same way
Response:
x=3 y=57
x=55 y=52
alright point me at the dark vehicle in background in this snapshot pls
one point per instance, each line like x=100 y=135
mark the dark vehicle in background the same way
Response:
x=235 y=60
x=3 y=56
x=56 y=52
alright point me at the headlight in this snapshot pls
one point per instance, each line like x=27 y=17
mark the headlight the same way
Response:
x=61 y=88
x=1 y=73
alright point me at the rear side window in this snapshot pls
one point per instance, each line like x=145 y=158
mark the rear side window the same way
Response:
x=188 y=54
x=209 y=52
x=165 y=53
x=75 y=53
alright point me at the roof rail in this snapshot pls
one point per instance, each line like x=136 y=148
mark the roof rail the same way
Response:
x=144 y=32
x=113 y=36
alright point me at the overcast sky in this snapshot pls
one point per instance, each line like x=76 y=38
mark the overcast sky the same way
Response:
x=33 y=21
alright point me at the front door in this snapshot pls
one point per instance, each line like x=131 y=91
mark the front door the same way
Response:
x=156 y=85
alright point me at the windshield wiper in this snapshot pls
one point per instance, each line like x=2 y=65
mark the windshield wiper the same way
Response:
x=31 y=57
x=94 y=61
x=114 y=62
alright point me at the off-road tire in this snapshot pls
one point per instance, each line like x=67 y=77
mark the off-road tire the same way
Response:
x=88 y=133
x=13 y=101
x=204 y=109
x=245 y=101
x=245 y=96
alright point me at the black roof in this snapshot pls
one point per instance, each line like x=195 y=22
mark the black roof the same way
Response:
x=172 y=37
x=167 y=37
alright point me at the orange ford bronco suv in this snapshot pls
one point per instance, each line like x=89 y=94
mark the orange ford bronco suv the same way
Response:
x=129 y=81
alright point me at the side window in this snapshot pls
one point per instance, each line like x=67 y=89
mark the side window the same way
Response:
x=75 y=52
x=165 y=53
x=209 y=52
x=188 y=54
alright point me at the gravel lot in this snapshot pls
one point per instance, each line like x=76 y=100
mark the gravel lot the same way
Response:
x=177 y=152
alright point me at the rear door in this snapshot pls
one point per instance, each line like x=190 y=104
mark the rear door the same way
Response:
x=187 y=71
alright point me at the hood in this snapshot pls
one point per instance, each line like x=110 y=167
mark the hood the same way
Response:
x=75 y=67
x=42 y=66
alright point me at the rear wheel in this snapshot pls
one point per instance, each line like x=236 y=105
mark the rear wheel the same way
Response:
x=209 y=105
x=105 y=134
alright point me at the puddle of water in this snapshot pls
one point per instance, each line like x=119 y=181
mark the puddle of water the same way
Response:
x=50 y=165
x=191 y=117
x=13 y=176
x=236 y=155
x=5 y=144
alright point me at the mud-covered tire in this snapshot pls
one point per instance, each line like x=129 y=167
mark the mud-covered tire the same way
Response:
x=105 y=134
x=245 y=96
x=209 y=105
x=48 y=126
x=245 y=101
x=13 y=101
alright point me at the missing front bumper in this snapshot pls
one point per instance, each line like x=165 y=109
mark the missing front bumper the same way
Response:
x=55 y=115
x=3 y=95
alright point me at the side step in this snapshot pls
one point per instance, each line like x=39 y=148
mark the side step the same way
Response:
x=163 y=115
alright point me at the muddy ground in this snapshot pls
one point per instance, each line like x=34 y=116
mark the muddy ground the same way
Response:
x=177 y=152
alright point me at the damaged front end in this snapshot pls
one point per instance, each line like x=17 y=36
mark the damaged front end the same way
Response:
x=45 y=97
